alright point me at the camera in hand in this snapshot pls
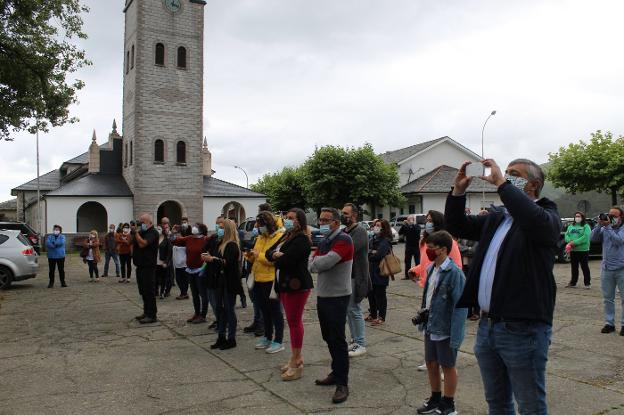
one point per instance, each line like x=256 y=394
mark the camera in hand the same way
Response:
x=603 y=216
x=422 y=317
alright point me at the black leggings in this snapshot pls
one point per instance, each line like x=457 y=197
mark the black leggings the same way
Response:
x=60 y=263
x=126 y=265
x=581 y=258
x=378 y=302
x=93 y=269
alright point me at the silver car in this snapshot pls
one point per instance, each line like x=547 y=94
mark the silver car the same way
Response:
x=18 y=259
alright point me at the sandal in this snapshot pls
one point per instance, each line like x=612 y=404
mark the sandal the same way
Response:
x=370 y=318
x=378 y=322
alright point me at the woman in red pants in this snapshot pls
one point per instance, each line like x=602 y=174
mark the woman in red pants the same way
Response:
x=293 y=283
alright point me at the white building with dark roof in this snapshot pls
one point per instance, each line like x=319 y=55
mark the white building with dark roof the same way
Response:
x=426 y=173
x=160 y=165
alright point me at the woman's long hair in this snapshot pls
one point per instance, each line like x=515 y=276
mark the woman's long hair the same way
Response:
x=266 y=218
x=583 y=221
x=301 y=227
x=230 y=234
x=437 y=218
x=386 y=231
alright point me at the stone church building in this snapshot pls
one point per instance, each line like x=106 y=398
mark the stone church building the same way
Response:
x=160 y=164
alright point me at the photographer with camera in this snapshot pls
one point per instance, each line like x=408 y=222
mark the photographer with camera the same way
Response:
x=442 y=323
x=610 y=232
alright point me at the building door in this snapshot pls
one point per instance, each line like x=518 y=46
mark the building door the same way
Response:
x=92 y=216
x=172 y=210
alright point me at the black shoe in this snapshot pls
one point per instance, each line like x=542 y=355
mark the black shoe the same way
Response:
x=341 y=394
x=446 y=409
x=330 y=380
x=608 y=328
x=229 y=344
x=250 y=329
x=213 y=325
x=141 y=317
x=429 y=407
x=220 y=342
x=148 y=320
x=622 y=331
x=63 y=284
x=50 y=285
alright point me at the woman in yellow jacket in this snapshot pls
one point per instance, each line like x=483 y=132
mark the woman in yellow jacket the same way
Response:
x=264 y=277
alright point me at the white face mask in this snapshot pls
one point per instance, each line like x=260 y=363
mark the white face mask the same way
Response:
x=195 y=230
x=519 y=182
x=376 y=230
x=126 y=230
x=57 y=232
x=578 y=220
x=112 y=230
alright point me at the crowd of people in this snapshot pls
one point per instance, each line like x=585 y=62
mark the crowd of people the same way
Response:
x=495 y=267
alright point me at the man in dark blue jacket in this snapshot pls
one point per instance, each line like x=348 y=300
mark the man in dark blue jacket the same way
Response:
x=511 y=279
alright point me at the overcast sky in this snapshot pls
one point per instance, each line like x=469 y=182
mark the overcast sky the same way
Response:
x=286 y=75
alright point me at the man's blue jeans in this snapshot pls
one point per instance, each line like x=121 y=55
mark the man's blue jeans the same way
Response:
x=512 y=357
x=355 y=319
x=107 y=258
x=608 y=281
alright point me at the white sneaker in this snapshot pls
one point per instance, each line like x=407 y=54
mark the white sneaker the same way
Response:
x=263 y=343
x=357 y=350
x=275 y=347
x=422 y=368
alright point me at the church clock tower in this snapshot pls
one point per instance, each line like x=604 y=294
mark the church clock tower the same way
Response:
x=163 y=106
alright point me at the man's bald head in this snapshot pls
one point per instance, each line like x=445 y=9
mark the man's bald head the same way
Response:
x=147 y=219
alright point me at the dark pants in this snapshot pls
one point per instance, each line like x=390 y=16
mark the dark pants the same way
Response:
x=411 y=252
x=332 y=315
x=162 y=275
x=60 y=263
x=146 y=281
x=199 y=292
x=226 y=316
x=126 y=265
x=581 y=258
x=182 y=280
x=378 y=302
x=271 y=311
x=93 y=269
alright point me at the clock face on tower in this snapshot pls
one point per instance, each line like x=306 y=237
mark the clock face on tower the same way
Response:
x=173 y=5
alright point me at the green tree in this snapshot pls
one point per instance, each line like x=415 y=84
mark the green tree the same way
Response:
x=284 y=189
x=36 y=56
x=597 y=165
x=335 y=175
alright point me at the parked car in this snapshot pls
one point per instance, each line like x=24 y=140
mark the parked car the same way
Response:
x=18 y=259
x=397 y=222
x=595 y=248
x=395 y=234
x=31 y=235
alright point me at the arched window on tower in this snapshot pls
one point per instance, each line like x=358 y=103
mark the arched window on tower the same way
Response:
x=132 y=58
x=181 y=152
x=160 y=54
x=159 y=151
x=182 y=57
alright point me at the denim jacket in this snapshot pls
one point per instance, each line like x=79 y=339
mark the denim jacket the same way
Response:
x=444 y=318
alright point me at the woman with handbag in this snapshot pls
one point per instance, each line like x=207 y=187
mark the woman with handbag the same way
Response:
x=381 y=246
x=294 y=282
x=264 y=279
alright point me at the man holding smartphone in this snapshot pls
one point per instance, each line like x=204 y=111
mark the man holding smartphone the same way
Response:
x=511 y=279
x=610 y=232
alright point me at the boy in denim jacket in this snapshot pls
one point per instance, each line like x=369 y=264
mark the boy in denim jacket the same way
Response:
x=444 y=329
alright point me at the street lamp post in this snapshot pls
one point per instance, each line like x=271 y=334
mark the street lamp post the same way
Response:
x=244 y=172
x=483 y=153
x=39 y=218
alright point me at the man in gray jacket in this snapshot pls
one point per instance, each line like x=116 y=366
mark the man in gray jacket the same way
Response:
x=360 y=279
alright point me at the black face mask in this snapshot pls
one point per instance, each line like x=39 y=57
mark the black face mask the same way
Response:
x=345 y=220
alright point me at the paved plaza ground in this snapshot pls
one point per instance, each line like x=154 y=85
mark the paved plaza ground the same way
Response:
x=77 y=350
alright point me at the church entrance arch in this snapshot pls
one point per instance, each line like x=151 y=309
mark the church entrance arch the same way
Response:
x=235 y=211
x=172 y=210
x=92 y=215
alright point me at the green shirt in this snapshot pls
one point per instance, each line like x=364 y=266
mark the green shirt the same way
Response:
x=579 y=235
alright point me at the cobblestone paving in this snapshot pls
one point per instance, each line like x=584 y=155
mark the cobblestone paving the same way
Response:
x=77 y=350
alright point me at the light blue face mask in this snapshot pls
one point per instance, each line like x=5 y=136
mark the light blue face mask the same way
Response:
x=143 y=227
x=254 y=232
x=325 y=229
x=429 y=228
x=263 y=230
x=519 y=182
x=289 y=224
x=220 y=232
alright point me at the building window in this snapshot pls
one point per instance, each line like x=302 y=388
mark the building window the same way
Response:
x=412 y=209
x=125 y=155
x=127 y=62
x=159 y=151
x=181 y=152
x=131 y=153
x=132 y=58
x=182 y=57
x=160 y=54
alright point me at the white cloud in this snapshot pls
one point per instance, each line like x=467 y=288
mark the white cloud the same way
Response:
x=284 y=76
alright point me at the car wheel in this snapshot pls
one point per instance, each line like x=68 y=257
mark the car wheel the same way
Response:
x=563 y=257
x=6 y=276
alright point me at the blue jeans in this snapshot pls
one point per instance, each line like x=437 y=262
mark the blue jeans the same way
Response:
x=107 y=258
x=512 y=357
x=608 y=281
x=212 y=300
x=355 y=319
